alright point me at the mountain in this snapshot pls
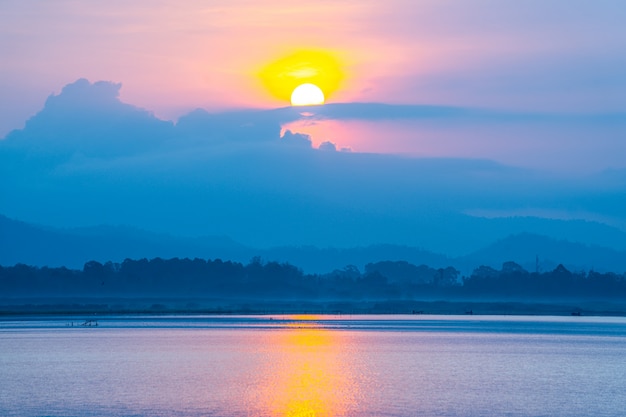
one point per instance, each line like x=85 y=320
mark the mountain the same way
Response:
x=43 y=246
x=38 y=245
x=534 y=251
x=321 y=260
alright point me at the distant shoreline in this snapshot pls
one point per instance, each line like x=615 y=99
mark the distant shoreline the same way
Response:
x=104 y=307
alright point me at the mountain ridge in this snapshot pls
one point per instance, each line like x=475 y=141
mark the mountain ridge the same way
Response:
x=36 y=245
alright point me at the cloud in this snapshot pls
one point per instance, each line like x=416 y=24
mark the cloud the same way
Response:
x=84 y=95
x=566 y=143
x=296 y=139
x=391 y=52
x=241 y=125
x=89 y=119
x=327 y=146
x=89 y=159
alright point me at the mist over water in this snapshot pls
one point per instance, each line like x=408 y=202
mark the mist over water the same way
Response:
x=314 y=365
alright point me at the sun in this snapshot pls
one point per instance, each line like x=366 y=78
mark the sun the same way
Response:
x=307 y=94
x=318 y=69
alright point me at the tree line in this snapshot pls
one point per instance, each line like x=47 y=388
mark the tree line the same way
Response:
x=274 y=281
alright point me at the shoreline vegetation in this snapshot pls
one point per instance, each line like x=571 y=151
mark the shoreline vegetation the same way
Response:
x=198 y=286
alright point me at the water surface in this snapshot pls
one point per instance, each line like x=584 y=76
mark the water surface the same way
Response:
x=313 y=366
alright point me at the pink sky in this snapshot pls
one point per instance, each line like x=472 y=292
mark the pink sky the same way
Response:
x=174 y=56
x=546 y=146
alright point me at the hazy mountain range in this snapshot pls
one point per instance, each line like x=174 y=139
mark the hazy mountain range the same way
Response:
x=44 y=246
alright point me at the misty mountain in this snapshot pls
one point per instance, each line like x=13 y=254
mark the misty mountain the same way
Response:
x=44 y=246
x=533 y=252
x=38 y=245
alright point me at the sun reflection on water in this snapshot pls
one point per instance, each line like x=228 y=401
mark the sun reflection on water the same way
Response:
x=308 y=376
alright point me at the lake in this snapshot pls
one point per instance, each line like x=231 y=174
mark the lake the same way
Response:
x=313 y=366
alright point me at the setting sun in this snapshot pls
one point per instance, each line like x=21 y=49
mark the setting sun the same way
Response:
x=287 y=77
x=307 y=95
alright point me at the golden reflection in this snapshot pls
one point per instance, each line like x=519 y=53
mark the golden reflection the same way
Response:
x=299 y=319
x=309 y=374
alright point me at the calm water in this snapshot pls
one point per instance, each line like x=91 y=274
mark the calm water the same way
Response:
x=314 y=366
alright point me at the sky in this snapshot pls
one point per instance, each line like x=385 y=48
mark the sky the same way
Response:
x=169 y=116
x=174 y=56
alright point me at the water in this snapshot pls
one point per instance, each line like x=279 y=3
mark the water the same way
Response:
x=314 y=366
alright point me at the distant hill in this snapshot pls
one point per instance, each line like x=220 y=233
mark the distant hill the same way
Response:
x=316 y=260
x=43 y=246
x=526 y=249
x=38 y=245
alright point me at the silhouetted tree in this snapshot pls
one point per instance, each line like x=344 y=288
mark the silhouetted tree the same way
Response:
x=272 y=280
